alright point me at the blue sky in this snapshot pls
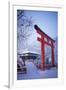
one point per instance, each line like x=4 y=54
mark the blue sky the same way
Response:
x=46 y=20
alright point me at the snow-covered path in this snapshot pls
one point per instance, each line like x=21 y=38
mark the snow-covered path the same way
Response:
x=34 y=73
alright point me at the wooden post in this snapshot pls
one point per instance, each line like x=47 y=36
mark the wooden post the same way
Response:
x=42 y=51
x=52 y=54
x=43 y=54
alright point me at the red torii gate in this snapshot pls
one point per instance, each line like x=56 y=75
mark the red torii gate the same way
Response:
x=43 y=42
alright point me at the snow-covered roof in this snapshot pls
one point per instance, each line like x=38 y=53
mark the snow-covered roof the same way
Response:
x=28 y=52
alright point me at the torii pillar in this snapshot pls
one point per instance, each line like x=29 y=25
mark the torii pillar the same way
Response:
x=42 y=50
x=52 y=54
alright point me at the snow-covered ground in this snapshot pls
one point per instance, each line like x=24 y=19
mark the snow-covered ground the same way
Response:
x=51 y=73
x=34 y=73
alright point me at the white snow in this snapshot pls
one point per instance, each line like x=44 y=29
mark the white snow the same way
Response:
x=34 y=73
